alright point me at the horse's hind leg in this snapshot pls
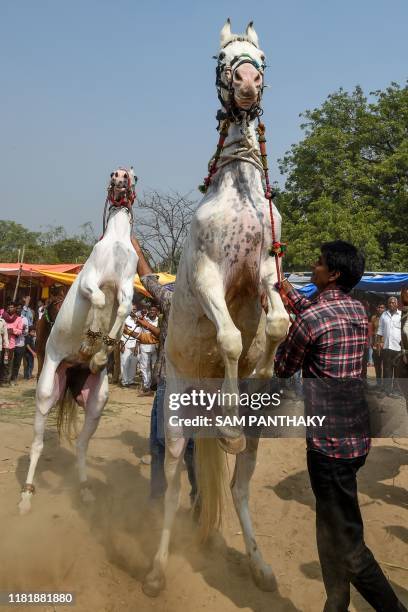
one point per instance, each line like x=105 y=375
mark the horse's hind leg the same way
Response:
x=47 y=394
x=95 y=404
x=155 y=580
x=244 y=469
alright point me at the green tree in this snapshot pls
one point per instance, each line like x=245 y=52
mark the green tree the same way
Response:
x=348 y=179
x=13 y=236
x=52 y=245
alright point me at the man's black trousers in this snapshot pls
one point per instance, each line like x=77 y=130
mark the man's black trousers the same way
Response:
x=344 y=557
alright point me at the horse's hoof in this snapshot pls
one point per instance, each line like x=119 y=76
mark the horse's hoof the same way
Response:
x=263 y=577
x=154 y=583
x=233 y=446
x=98 y=362
x=264 y=373
x=25 y=503
x=86 y=349
x=87 y=497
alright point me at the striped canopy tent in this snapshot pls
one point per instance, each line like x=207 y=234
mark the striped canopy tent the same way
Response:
x=30 y=275
x=67 y=278
x=45 y=275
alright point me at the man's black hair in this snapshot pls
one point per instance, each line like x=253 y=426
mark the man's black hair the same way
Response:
x=11 y=303
x=343 y=257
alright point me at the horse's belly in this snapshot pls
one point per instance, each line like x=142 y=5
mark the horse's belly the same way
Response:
x=196 y=354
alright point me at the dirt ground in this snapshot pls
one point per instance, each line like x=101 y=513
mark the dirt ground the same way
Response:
x=102 y=552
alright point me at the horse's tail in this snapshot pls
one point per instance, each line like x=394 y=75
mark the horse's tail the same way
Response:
x=210 y=462
x=67 y=416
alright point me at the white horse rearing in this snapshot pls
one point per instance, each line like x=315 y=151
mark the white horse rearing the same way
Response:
x=85 y=331
x=217 y=327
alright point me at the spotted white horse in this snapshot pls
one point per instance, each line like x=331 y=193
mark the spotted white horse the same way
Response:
x=225 y=270
x=85 y=331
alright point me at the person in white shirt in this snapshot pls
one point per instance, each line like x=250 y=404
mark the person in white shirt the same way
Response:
x=389 y=341
x=40 y=309
x=148 y=353
x=128 y=355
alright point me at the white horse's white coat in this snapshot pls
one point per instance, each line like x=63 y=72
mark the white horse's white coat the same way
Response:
x=217 y=328
x=99 y=300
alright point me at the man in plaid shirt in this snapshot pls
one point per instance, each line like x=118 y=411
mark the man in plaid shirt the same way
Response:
x=328 y=340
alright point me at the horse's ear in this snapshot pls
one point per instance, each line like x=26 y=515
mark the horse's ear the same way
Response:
x=225 y=33
x=252 y=35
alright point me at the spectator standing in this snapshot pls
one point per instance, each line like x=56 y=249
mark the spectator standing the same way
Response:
x=40 y=309
x=389 y=342
x=128 y=354
x=30 y=353
x=4 y=345
x=15 y=327
x=26 y=310
x=328 y=339
x=19 y=348
x=148 y=350
x=378 y=356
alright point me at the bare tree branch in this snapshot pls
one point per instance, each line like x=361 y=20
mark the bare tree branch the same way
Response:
x=161 y=224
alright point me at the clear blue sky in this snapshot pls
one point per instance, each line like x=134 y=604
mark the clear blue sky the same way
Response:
x=89 y=85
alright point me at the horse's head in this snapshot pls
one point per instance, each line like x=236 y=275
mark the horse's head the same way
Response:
x=122 y=187
x=240 y=69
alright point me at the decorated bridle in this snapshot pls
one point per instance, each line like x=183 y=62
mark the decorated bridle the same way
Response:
x=127 y=199
x=230 y=113
x=224 y=79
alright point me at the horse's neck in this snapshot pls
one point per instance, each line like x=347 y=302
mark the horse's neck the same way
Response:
x=238 y=143
x=118 y=224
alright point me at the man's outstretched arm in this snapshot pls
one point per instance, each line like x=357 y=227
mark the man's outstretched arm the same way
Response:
x=150 y=281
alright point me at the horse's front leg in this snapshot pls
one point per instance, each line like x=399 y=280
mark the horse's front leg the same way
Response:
x=244 y=469
x=277 y=320
x=125 y=296
x=90 y=290
x=211 y=294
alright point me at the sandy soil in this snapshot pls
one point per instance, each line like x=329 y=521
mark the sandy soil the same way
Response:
x=102 y=552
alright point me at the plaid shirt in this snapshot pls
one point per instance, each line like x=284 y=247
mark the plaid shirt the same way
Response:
x=327 y=340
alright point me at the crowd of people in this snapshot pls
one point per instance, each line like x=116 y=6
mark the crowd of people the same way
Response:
x=139 y=347
x=385 y=345
x=17 y=340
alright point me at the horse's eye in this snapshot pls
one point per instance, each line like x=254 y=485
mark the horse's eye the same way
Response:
x=221 y=55
x=262 y=58
x=116 y=174
x=111 y=174
x=125 y=176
